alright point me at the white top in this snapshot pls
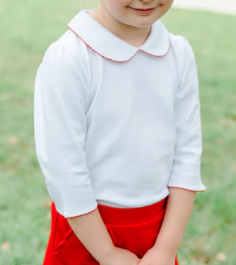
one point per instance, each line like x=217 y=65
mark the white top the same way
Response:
x=116 y=124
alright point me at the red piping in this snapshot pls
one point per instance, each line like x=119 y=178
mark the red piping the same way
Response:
x=81 y=214
x=184 y=188
x=158 y=55
x=115 y=60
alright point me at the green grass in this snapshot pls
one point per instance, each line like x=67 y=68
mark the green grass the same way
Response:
x=27 y=28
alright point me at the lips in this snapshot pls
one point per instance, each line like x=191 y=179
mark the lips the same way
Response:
x=143 y=11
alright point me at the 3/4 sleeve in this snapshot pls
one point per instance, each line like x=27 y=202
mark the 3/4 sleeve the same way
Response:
x=61 y=98
x=186 y=168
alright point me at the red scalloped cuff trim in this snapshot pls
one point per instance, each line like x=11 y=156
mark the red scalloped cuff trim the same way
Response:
x=116 y=60
x=173 y=187
x=81 y=214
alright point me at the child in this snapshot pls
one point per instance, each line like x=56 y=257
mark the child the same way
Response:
x=118 y=136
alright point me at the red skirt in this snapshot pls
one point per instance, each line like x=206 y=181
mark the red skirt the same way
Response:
x=135 y=229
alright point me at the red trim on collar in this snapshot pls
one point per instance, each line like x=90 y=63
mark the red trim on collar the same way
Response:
x=116 y=60
x=97 y=51
x=158 y=55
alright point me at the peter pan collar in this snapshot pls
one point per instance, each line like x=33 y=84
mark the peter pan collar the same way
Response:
x=111 y=47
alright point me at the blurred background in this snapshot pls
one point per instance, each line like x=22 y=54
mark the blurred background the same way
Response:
x=27 y=29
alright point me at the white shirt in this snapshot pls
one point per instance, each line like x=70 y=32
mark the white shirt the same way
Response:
x=116 y=124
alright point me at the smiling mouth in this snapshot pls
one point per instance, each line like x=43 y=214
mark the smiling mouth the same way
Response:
x=143 y=9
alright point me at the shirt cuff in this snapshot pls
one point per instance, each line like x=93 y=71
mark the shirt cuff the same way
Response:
x=191 y=183
x=73 y=214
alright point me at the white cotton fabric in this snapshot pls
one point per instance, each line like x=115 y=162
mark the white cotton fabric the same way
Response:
x=116 y=124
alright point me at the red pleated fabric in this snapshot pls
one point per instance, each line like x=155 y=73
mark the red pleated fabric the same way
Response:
x=135 y=229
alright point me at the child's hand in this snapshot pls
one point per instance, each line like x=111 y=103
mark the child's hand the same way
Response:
x=121 y=256
x=155 y=256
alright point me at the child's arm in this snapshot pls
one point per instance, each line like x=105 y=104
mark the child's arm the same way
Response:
x=92 y=232
x=185 y=178
x=61 y=100
x=178 y=210
x=186 y=167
